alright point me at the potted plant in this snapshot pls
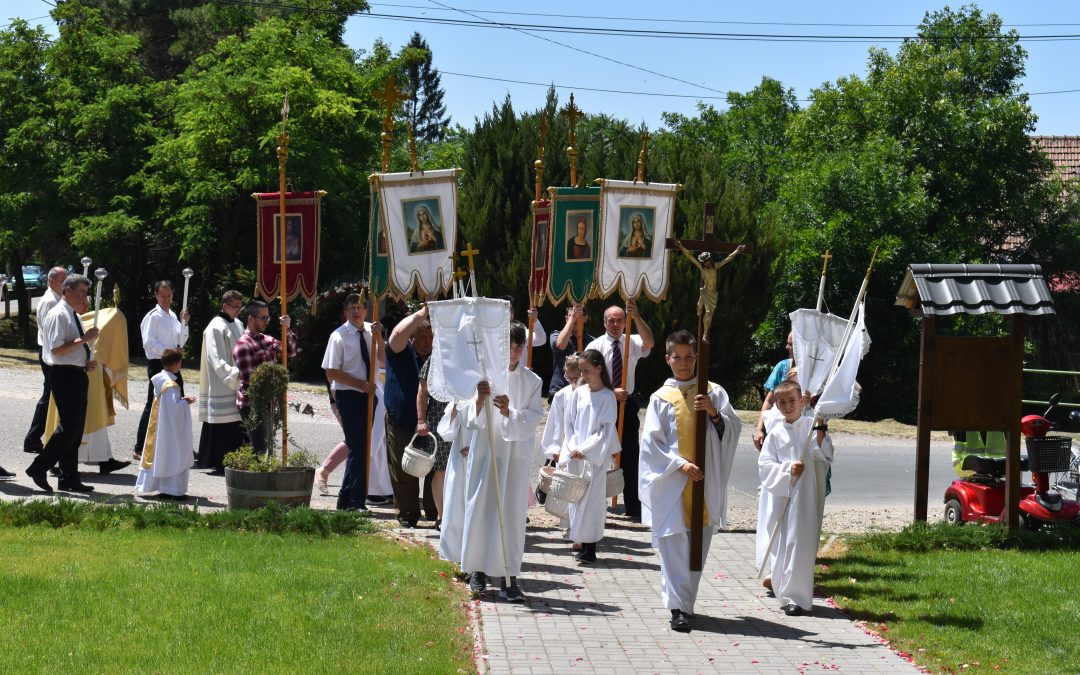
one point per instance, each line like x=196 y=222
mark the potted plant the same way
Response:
x=253 y=480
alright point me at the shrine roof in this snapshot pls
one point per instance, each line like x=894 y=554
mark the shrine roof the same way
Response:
x=945 y=289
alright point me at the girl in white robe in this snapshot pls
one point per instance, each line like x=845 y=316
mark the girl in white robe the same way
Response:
x=553 y=442
x=795 y=551
x=453 y=506
x=590 y=441
x=168 y=453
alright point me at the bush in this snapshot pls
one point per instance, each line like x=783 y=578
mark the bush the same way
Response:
x=921 y=537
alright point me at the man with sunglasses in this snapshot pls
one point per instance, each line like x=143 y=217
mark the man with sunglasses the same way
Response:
x=218 y=380
x=253 y=349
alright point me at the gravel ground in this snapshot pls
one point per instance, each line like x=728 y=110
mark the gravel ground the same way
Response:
x=20 y=387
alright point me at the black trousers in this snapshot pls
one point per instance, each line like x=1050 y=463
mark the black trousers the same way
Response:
x=69 y=385
x=41 y=410
x=353 y=406
x=153 y=367
x=629 y=461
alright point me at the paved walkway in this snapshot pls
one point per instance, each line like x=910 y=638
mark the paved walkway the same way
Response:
x=608 y=617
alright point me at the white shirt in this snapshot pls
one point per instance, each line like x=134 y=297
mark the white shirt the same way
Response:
x=637 y=350
x=47 y=302
x=62 y=326
x=161 y=330
x=343 y=353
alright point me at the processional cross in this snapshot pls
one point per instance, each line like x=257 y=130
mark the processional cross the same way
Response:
x=706 y=304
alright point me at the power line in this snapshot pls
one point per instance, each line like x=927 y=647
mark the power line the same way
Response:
x=706 y=21
x=599 y=56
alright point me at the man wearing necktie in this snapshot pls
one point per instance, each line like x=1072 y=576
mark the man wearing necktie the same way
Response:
x=612 y=345
x=347 y=362
x=66 y=349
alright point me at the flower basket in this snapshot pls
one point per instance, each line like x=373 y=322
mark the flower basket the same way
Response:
x=616 y=482
x=567 y=486
x=415 y=461
x=557 y=507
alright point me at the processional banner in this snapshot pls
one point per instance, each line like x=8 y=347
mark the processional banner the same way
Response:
x=635 y=222
x=471 y=343
x=303 y=213
x=419 y=214
x=816 y=338
x=379 y=246
x=575 y=218
x=541 y=248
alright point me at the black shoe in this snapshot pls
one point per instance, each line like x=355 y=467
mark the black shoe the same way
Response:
x=513 y=593
x=39 y=480
x=461 y=576
x=170 y=498
x=376 y=500
x=477 y=584
x=112 y=465
x=438 y=524
x=54 y=472
x=791 y=609
x=4 y=473
x=73 y=485
x=680 y=621
x=33 y=449
x=587 y=554
x=354 y=509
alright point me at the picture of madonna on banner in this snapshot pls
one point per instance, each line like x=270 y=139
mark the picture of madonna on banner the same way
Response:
x=421 y=218
x=636 y=227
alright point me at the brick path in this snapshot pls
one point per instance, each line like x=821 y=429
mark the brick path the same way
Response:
x=608 y=618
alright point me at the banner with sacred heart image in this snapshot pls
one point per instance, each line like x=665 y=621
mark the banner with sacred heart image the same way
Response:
x=541 y=248
x=636 y=220
x=419 y=214
x=575 y=219
x=303 y=213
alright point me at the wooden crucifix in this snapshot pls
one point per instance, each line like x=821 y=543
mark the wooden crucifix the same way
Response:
x=471 y=253
x=708 y=246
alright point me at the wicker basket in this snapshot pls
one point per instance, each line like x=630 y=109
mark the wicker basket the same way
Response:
x=616 y=483
x=567 y=486
x=543 y=479
x=557 y=507
x=1049 y=454
x=415 y=461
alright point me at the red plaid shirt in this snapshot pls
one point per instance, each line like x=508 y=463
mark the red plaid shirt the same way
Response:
x=251 y=351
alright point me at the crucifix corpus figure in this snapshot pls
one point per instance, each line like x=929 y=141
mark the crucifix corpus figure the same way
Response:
x=707 y=297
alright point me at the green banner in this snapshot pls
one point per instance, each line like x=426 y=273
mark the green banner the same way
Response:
x=575 y=226
x=380 y=248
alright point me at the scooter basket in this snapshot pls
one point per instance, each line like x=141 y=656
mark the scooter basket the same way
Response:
x=416 y=462
x=1049 y=454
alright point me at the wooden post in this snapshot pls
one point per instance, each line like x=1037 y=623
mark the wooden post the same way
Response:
x=283 y=153
x=925 y=417
x=701 y=425
x=1014 y=391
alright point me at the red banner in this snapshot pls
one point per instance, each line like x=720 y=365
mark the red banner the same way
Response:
x=302 y=226
x=541 y=249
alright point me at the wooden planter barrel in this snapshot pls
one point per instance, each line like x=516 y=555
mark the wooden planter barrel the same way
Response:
x=254 y=489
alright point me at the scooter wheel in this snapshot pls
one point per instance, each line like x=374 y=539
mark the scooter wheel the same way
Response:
x=954 y=515
x=1030 y=524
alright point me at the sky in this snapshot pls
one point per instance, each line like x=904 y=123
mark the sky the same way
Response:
x=478 y=62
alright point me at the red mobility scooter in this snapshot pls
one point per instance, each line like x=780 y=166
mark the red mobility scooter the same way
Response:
x=980 y=497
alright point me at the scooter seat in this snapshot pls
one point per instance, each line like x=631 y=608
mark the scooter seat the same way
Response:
x=1051 y=501
x=990 y=466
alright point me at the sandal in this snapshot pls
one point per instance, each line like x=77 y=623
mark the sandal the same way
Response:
x=320 y=481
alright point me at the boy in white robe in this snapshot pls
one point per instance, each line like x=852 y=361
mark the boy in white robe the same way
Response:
x=786 y=477
x=168 y=452
x=515 y=416
x=453 y=506
x=667 y=469
x=591 y=441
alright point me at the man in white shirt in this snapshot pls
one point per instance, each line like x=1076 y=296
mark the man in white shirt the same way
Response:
x=161 y=330
x=347 y=362
x=66 y=349
x=32 y=442
x=612 y=345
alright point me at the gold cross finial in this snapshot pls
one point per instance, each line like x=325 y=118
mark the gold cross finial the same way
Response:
x=543 y=132
x=641 y=157
x=571 y=112
x=825 y=266
x=389 y=96
x=470 y=253
x=460 y=274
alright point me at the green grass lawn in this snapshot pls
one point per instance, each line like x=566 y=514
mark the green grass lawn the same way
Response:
x=83 y=599
x=950 y=598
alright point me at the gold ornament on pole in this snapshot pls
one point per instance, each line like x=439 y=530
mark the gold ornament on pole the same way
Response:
x=389 y=96
x=571 y=112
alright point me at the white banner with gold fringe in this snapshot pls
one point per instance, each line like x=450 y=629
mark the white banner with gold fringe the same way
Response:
x=635 y=222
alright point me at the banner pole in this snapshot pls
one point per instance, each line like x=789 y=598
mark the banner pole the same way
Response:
x=283 y=153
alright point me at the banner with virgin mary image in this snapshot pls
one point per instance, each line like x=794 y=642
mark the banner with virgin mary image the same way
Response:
x=541 y=249
x=419 y=213
x=575 y=216
x=635 y=222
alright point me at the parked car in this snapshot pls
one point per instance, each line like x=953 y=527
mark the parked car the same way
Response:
x=34 y=277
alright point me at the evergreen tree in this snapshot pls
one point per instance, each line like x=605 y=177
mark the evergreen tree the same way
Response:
x=424 y=110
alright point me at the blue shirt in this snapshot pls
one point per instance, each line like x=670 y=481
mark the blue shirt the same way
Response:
x=558 y=379
x=402 y=384
x=778 y=375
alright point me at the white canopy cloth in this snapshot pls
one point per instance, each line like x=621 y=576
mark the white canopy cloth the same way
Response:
x=471 y=343
x=635 y=223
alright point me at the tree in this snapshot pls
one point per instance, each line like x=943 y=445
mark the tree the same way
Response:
x=424 y=109
x=928 y=157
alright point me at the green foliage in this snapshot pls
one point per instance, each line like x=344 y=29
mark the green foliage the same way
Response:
x=245 y=459
x=302 y=459
x=270 y=519
x=923 y=537
x=425 y=111
x=266 y=392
